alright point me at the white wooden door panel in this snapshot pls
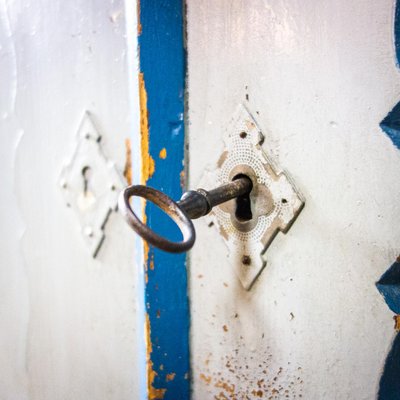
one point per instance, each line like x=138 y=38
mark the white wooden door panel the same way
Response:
x=67 y=321
x=318 y=77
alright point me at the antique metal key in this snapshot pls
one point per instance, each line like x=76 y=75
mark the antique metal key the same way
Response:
x=193 y=204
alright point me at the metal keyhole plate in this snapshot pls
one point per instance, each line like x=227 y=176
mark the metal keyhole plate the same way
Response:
x=90 y=184
x=275 y=202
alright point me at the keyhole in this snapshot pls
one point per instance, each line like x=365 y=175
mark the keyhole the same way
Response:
x=86 y=174
x=243 y=205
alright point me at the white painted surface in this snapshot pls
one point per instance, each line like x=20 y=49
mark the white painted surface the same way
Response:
x=67 y=322
x=320 y=76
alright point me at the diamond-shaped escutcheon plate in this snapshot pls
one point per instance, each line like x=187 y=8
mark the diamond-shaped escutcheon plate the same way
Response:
x=275 y=202
x=90 y=184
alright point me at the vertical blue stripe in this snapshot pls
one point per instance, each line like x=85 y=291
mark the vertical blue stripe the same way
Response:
x=397 y=33
x=162 y=63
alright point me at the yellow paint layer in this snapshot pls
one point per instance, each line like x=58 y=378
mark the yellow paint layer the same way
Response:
x=152 y=392
x=128 y=162
x=163 y=153
x=170 y=377
x=147 y=160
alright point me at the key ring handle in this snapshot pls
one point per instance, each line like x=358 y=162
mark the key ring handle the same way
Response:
x=170 y=207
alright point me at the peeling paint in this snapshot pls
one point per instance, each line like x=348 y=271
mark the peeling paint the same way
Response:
x=148 y=166
x=205 y=378
x=128 y=162
x=161 y=87
x=170 y=377
x=182 y=179
x=152 y=392
x=139 y=24
x=397 y=323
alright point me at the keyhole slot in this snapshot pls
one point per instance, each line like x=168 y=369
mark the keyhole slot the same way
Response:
x=86 y=174
x=243 y=211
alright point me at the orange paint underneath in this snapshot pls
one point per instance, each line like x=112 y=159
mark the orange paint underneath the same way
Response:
x=152 y=392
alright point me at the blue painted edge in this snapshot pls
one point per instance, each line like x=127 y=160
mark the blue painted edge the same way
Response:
x=389 y=287
x=389 y=385
x=397 y=33
x=389 y=283
x=162 y=59
x=391 y=125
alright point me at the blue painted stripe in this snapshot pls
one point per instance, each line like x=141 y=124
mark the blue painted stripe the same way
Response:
x=389 y=287
x=397 y=33
x=162 y=63
x=391 y=125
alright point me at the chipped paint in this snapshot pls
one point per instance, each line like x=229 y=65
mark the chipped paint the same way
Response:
x=162 y=88
x=248 y=375
x=170 y=377
x=139 y=23
x=182 y=179
x=148 y=166
x=152 y=392
x=397 y=323
x=128 y=162
x=206 y=378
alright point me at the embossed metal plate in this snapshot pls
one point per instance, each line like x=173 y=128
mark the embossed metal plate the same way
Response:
x=275 y=202
x=90 y=184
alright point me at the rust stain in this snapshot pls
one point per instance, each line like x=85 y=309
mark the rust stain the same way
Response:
x=225 y=328
x=205 y=378
x=128 y=161
x=152 y=392
x=238 y=380
x=158 y=313
x=163 y=153
x=147 y=161
x=224 y=385
x=221 y=396
x=258 y=393
x=397 y=323
x=170 y=377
